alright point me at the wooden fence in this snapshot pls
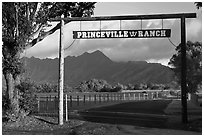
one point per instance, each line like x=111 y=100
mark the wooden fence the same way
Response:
x=47 y=103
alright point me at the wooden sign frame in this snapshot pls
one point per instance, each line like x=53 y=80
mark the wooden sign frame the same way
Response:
x=107 y=34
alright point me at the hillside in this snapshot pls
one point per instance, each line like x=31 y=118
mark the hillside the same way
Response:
x=97 y=65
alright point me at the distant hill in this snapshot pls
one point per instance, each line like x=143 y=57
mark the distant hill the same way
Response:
x=96 y=65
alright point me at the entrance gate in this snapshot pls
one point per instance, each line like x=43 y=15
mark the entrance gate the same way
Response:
x=181 y=16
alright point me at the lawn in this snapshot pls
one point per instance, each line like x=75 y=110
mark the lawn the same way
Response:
x=32 y=125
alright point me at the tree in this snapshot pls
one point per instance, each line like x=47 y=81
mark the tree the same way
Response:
x=23 y=25
x=194 y=65
x=198 y=5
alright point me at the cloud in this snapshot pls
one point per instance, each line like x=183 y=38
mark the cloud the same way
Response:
x=161 y=61
x=194 y=29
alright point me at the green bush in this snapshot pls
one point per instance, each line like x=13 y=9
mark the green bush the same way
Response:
x=27 y=99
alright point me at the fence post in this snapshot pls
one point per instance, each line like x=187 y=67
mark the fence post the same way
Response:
x=71 y=101
x=46 y=104
x=95 y=98
x=56 y=103
x=37 y=99
x=66 y=108
x=77 y=100
x=99 y=96
x=139 y=96
x=89 y=97
x=84 y=99
x=113 y=97
x=38 y=104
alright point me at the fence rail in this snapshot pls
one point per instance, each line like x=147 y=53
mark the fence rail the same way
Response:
x=47 y=103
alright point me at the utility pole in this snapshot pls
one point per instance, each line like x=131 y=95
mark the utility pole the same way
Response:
x=183 y=72
x=61 y=74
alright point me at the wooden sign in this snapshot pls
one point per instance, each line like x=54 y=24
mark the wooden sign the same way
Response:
x=148 y=33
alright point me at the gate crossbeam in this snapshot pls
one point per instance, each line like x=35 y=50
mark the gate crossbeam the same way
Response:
x=128 y=17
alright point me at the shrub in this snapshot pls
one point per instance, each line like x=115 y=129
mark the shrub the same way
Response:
x=27 y=100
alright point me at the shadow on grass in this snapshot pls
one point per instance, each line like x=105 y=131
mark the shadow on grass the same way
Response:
x=46 y=121
x=151 y=115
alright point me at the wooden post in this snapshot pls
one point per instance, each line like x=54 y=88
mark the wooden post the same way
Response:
x=95 y=98
x=99 y=96
x=84 y=99
x=70 y=101
x=61 y=74
x=56 y=102
x=47 y=104
x=183 y=71
x=78 y=100
x=66 y=108
x=139 y=96
x=89 y=97
x=38 y=101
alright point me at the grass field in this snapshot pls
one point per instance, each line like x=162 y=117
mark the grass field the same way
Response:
x=101 y=118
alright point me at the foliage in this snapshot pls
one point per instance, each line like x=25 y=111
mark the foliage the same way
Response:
x=94 y=85
x=27 y=21
x=50 y=88
x=27 y=99
x=148 y=86
x=198 y=5
x=23 y=25
x=11 y=62
x=194 y=65
x=46 y=88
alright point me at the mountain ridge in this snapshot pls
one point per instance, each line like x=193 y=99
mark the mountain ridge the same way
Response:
x=96 y=65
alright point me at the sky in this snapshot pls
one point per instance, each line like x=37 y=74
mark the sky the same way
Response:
x=158 y=50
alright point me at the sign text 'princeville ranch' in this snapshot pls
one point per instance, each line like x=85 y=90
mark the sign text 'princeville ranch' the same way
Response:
x=153 y=33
